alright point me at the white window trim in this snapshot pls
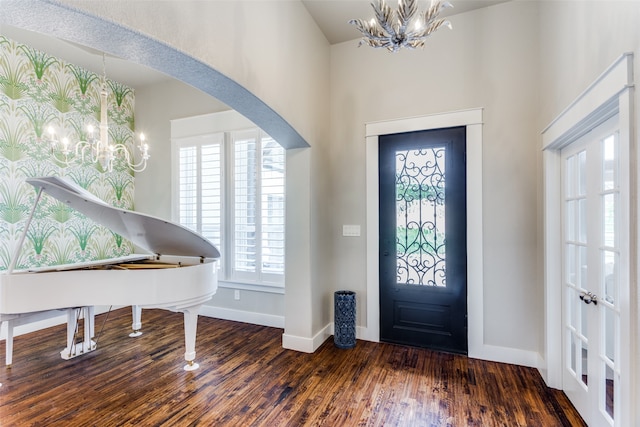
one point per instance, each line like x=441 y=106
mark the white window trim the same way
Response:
x=611 y=93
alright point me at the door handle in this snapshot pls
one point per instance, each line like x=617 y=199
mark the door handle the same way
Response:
x=589 y=297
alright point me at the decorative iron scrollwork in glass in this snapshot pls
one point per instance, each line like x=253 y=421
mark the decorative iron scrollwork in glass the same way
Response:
x=420 y=217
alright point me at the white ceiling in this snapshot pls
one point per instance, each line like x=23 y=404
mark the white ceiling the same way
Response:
x=332 y=16
x=128 y=73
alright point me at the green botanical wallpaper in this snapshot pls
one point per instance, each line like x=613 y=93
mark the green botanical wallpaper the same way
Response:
x=38 y=90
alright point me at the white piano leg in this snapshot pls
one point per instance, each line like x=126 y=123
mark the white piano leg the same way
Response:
x=136 y=313
x=74 y=349
x=9 y=344
x=72 y=319
x=190 y=327
x=89 y=328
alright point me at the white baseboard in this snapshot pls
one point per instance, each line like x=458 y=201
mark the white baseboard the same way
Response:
x=363 y=333
x=306 y=345
x=309 y=345
x=243 y=316
x=509 y=355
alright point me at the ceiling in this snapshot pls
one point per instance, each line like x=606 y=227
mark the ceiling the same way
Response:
x=332 y=16
x=128 y=73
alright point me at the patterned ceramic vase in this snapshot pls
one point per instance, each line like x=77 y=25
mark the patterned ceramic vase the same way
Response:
x=344 y=319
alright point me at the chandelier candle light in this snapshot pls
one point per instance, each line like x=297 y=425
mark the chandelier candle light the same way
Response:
x=98 y=150
x=403 y=27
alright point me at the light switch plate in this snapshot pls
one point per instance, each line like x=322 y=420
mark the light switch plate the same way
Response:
x=351 y=230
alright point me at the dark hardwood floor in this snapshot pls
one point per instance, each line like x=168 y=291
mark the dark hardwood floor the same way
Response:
x=246 y=379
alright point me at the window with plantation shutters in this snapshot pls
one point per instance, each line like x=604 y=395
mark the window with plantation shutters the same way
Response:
x=231 y=188
x=272 y=199
x=200 y=185
x=258 y=207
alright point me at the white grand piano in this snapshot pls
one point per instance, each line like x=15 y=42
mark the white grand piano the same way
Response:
x=179 y=274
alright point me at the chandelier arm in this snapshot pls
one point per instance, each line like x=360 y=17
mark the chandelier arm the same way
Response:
x=368 y=35
x=364 y=27
x=406 y=12
x=385 y=39
x=127 y=155
x=434 y=27
x=431 y=13
x=375 y=41
x=384 y=16
x=80 y=149
x=434 y=10
x=64 y=161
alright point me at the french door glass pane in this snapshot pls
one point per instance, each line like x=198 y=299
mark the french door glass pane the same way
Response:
x=582 y=173
x=582 y=221
x=583 y=269
x=571 y=220
x=572 y=313
x=572 y=350
x=610 y=162
x=583 y=313
x=610 y=329
x=609 y=207
x=584 y=356
x=610 y=276
x=609 y=391
x=420 y=217
x=570 y=177
x=570 y=264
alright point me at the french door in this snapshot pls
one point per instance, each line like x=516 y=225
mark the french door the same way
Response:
x=595 y=203
x=423 y=246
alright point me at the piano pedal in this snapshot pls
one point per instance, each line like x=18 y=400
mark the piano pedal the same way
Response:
x=77 y=350
x=191 y=366
x=135 y=333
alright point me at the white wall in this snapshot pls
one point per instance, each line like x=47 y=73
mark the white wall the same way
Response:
x=156 y=105
x=578 y=42
x=489 y=60
x=273 y=48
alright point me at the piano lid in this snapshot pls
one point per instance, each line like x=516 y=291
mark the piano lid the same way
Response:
x=153 y=234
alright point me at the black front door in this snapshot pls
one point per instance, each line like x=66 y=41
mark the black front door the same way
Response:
x=423 y=243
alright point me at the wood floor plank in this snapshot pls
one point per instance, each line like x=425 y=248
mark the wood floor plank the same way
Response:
x=246 y=378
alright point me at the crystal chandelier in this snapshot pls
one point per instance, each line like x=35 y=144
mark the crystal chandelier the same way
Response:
x=403 y=27
x=97 y=148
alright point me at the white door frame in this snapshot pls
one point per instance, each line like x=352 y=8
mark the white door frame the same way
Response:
x=612 y=93
x=472 y=120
